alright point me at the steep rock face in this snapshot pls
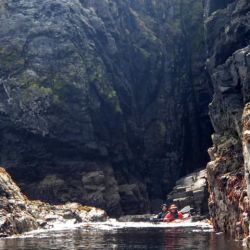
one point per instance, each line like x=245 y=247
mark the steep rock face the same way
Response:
x=229 y=66
x=102 y=102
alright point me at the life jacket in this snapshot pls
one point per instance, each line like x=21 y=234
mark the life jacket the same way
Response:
x=162 y=215
x=174 y=216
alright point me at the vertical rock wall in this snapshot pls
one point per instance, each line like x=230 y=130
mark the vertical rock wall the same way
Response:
x=228 y=37
x=102 y=101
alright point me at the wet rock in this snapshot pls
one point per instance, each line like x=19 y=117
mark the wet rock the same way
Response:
x=96 y=215
x=135 y=218
x=191 y=190
x=19 y=215
x=71 y=215
x=25 y=224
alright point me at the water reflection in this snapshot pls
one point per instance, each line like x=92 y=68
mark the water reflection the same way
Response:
x=126 y=238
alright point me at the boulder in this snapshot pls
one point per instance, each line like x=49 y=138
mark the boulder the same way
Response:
x=191 y=190
x=19 y=215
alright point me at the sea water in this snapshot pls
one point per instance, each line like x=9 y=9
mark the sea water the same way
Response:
x=123 y=235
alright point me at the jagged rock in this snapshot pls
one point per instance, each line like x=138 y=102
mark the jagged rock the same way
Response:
x=227 y=32
x=191 y=191
x=70 y=215
x=19 y=215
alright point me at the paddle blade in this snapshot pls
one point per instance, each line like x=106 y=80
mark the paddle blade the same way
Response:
x=186 y=209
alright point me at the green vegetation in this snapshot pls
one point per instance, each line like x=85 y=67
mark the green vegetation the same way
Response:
x=57 y=85
x=10 y=59
x=35 y=91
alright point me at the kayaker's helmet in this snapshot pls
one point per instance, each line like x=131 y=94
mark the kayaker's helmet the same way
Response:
x=173 y=207
x=163 y=205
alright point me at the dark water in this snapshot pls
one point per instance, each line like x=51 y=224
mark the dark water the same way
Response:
x=149 y=238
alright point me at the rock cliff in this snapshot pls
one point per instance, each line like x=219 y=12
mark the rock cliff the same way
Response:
x=103 y=102
x=228 y=38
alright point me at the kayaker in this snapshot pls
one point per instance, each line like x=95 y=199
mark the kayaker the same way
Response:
x=173 y=214
x=163 y=213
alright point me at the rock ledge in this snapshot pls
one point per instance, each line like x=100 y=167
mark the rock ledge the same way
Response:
x=19 y=215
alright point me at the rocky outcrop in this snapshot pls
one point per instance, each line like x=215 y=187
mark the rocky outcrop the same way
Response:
x=20 y=215
x=191 y=190
x=228 y=64
x=102 y=102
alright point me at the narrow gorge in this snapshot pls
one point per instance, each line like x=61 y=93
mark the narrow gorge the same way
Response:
x=103 y=102
x=109 y=103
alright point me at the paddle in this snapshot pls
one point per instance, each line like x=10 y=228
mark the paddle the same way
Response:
x=185 y=210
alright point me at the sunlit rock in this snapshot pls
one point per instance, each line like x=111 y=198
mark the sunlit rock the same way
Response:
x=19 y=215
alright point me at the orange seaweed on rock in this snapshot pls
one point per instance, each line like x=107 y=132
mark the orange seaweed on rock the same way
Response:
x=244 y=199
x=226 y=183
